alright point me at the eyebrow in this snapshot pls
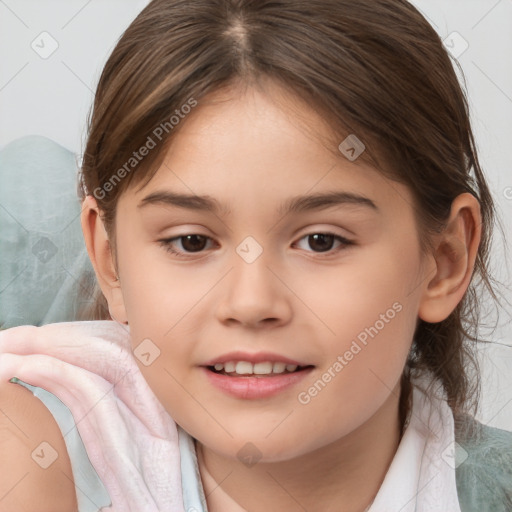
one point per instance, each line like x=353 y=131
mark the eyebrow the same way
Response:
x=293 y=205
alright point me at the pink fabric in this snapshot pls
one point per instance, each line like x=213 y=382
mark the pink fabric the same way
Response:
x=131 y=440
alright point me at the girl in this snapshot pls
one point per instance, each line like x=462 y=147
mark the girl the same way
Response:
x=286 y=215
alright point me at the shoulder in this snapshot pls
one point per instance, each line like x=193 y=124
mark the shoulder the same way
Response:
x=484 y=470
x=36 y=471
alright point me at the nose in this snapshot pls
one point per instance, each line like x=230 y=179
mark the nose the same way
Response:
x=254 y=295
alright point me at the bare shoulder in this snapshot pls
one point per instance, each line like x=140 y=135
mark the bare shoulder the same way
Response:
x=35 y=470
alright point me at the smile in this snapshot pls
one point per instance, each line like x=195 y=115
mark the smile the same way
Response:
x=264 y=368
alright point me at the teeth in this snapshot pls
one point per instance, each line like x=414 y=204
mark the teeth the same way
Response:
x=247 y=368
x=243 y=368
x=262 y=368
x=279 y=367
x=229 y=367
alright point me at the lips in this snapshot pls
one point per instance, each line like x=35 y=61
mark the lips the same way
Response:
x=252 y=387
x=254 y=376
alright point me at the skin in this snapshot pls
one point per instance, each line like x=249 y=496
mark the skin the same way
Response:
x=251 y=152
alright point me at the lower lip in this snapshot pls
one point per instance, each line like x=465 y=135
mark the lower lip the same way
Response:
x=255 y=387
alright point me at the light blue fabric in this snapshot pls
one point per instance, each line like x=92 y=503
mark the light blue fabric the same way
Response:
x=193 y=494
x=91 y=494
x=484 y=479
x=43 y=260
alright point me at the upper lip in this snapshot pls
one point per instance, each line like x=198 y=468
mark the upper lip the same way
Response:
x=258 y=357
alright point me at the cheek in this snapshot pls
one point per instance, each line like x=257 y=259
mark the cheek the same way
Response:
x=160 y=301
x=368 y=296
x=370 y=316
x=157 y=293
x=165 y=363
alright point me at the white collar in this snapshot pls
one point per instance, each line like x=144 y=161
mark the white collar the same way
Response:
x=421 y=477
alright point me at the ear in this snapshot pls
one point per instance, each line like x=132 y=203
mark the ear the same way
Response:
x=455 y=253
x=100 y=254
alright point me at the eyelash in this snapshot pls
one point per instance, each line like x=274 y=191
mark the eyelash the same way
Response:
x=167 y=244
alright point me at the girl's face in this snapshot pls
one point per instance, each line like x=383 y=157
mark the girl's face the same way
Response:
x=298 y=257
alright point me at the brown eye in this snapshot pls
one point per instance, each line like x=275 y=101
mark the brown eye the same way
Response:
x=324 y=242
x=321 y=241
x=190 y=244
x=193 y=243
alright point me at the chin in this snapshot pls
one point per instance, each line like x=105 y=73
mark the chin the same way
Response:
x=257 y=446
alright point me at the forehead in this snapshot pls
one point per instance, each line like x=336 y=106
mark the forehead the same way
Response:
x=253 y=146
x=254 y=122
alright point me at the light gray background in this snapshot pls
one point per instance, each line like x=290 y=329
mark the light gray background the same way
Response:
x=52 y=96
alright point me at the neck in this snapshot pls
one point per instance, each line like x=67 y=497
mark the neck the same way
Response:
x=349 y=471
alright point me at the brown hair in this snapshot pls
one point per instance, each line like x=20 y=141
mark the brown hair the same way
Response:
x=374 y=68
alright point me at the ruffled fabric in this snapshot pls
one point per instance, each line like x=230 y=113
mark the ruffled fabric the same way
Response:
x=131 y=440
